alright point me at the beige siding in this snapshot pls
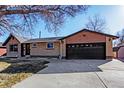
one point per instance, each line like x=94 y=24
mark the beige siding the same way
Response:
x=41 y=49
x=13 y=54
x=109 y=51
x=64 y=48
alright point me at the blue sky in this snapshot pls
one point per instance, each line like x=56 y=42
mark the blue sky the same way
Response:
x=114 y=16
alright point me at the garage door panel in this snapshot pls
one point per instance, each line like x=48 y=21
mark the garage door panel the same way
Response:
x=86 y=51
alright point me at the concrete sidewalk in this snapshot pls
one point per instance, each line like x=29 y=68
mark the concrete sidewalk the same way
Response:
x=77 y=74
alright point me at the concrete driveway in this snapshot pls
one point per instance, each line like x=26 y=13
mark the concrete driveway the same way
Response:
x=77 y=74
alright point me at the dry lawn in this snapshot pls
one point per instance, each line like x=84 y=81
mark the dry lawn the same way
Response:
x=14 y=72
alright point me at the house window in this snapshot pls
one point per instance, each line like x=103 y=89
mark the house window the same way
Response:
x=14 y=48
x=86 y=45
x=73 y=46
x=34 y=45
x=50 y=45
x=77 y=46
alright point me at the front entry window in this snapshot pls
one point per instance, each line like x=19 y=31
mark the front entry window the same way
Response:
x=13 y=48
x=50 y=45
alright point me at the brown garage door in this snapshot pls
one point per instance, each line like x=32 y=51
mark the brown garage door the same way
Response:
x=85 y=51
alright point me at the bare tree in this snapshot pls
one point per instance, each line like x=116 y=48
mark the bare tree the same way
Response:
x=15 y=18
x=96 y=23
x=120 y=34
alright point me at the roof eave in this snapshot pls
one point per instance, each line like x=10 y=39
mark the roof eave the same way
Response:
x=5 y=42
x=40 y=41
x=113 y=37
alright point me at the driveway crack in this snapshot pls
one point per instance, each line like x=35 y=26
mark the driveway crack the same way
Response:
x=98 y=76
x=101 y=80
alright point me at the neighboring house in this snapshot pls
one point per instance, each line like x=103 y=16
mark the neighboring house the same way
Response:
x=119 y=51
x=2 y=50
x=84 y=44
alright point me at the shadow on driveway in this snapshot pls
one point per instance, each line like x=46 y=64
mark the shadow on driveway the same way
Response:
x=73 y=66
x=24 y=66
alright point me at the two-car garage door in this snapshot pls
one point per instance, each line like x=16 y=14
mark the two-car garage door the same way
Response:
x=85 y=51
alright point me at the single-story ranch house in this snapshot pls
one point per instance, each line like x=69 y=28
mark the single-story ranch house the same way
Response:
x=84 y=44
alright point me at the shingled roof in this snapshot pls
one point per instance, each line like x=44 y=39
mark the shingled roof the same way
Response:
x=49 y=39
x=19 y=38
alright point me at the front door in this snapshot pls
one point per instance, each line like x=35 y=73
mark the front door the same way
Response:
x=22 y=50
x=27 y=49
